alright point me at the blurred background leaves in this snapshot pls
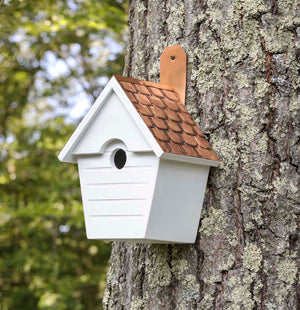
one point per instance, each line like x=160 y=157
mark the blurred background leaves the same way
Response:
x=55 y=57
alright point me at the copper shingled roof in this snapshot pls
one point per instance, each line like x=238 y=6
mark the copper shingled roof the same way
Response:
x=167 y=118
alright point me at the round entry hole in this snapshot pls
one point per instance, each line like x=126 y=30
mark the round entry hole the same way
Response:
x=120 y=159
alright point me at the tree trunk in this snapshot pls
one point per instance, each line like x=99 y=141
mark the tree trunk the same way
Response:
x=243 y=91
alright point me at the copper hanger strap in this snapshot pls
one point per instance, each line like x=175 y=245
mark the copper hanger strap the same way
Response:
x=173 y=69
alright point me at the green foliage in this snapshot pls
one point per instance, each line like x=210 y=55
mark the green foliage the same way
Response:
x=46 y=262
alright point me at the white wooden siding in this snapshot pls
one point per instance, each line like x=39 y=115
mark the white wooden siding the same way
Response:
x=110 y=122
x=117 y=201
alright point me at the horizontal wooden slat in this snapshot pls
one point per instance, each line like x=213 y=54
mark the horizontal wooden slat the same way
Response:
x=115 y=215
x=112 y=184
x=116 y=207
x=115 y=227
x=124 y=191
x=129 y=175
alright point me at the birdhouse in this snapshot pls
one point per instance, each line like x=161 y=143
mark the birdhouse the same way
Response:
x=143 y=161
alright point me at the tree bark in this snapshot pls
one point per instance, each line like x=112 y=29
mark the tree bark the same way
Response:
x=243 y=91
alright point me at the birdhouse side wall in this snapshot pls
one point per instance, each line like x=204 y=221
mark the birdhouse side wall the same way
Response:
x=117 y=201
x=177 y=202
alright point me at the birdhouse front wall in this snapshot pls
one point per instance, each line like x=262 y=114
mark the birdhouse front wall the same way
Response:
x=117 y=201
x=111 y=121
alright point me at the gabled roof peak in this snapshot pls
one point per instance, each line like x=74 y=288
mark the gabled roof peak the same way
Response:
x=160 y=116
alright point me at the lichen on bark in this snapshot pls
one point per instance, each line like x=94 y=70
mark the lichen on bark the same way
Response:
x=243 y=90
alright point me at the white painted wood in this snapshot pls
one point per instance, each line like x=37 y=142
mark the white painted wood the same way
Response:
x=149 y=200
x=190 y=159
x=177 y=202
x=89 y=131
x=112 y=122
x=156 y=197
x=117 y=201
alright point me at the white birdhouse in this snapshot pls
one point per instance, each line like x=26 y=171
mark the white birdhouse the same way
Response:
x=143 y=161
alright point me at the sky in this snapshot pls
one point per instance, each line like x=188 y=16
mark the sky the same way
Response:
x=79 y=102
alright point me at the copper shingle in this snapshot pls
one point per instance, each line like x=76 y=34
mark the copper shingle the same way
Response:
x=175 y=126
x=158 y=102
x=142 y=99
x=160 y=123
x=156 y=92
x=167 y=118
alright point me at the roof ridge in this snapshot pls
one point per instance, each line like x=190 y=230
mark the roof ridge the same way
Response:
x=143 y=82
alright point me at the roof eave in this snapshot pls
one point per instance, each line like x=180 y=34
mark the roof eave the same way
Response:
x=190 y=159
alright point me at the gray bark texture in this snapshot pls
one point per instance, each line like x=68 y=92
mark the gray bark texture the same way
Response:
x=243 y=91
